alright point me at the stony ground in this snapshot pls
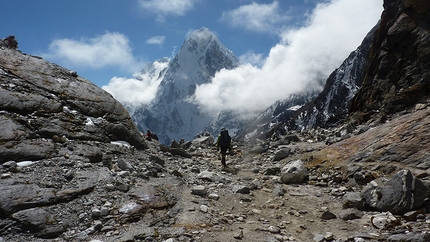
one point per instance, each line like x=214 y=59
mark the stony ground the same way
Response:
x=194 y=199
x=271 y=211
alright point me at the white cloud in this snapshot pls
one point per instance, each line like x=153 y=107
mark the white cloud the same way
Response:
x=156 y=40
x=256 y=17
x=304 y=57
x=168 y=7
x=140 y=89
x=110 y=49
x=252 y=58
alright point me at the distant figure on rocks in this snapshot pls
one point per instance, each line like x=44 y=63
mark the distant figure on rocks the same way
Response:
x=223 y=142
x=150 y=136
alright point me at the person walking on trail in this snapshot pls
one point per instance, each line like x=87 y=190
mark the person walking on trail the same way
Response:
x=223 y=143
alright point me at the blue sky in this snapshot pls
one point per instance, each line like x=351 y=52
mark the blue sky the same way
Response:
x=103 y=39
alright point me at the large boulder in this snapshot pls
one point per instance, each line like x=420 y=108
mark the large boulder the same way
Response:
x=403 y=193
x=294 y=172
x=43 y=104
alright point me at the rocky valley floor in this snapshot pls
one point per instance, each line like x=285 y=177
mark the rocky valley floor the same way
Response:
x=183 y=195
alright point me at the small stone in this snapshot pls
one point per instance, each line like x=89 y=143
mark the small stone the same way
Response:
x=104 y=211
x=350 y=214
x=327 y=215
x=204 y=208
x=328 y=236
x=10 y=164
x=199 y=190
x=318 y=238
x=274 y=229
x=98 y=225
x=240 y=189
x=121 y=186
x=213 y=196
x=238 y=235
x=6 y=175
x=96 y=213
x=279 y=190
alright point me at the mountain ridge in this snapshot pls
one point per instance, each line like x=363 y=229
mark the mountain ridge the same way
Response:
x=172 y=114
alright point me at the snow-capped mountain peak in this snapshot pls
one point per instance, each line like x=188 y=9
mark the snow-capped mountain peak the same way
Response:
x=171 y=115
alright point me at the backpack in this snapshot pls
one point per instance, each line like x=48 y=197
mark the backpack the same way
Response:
x=225 y=138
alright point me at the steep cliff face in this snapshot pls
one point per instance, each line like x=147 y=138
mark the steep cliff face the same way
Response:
x=43 y=106
x=330 y=107
x=397 y=74
x=332 y=104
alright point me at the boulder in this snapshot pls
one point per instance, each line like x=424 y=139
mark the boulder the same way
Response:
x=384 y=220
x=204 y=141
x=258 y=149
x=350 y=214
x=414 y=236
x=41 y=222
x=281 y=154
x=403 y=193
x=353 y=200
x=294 y=172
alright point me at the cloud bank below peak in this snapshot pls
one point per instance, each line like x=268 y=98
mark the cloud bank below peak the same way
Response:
x=304 y=57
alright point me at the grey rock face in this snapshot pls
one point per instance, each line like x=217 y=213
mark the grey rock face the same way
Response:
x=43 y=104
x=23 y=196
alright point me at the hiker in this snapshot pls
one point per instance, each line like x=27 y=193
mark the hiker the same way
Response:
x=148 y=135
x=223 y=142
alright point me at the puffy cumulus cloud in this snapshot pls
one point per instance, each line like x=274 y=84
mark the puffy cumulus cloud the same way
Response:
x=110 y=49
x=156 y=40
x=168 y=7
x=256 y=17
x=140 y=89
x=301 y=61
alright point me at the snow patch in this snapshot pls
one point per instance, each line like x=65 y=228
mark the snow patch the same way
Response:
x=121 y=143
x=25 y=163
x=67 y=110
x=89 y=122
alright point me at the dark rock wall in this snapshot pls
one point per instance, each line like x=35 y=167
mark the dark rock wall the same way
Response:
x=397 y=74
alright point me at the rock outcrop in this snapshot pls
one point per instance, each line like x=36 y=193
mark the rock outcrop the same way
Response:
x=397 y=74
x=44 y=105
